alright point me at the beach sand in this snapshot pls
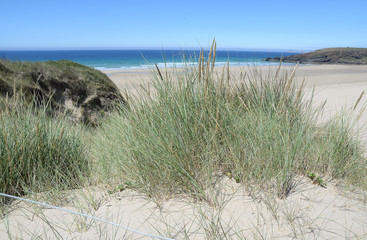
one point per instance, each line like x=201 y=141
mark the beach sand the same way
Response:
x=310 y=212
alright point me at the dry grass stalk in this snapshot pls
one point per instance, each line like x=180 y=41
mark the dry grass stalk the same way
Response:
x=202 y=64
x=209 y=61
x=199 y=64
x=299 y=94
x=278 y=69
x=222 y=77
x=214 y=55
x=228 y=74
x=287 y=88
x=358 y=100
x=159 y=72
x=210 y=56
x=360 y=113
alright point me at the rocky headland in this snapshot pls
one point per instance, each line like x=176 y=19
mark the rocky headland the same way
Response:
x=327 y=56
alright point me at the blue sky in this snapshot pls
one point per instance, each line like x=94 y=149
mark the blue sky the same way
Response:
x=109 y=24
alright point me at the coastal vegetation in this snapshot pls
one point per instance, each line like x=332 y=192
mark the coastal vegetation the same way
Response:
x=188 y=130
x=39 y=152
x=81 y=92
x=194 y=126
x=327 y=56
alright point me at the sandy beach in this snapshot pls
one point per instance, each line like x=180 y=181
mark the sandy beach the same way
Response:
x=310 y=212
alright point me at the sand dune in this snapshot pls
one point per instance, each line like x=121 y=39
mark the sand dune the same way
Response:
x=310 y=212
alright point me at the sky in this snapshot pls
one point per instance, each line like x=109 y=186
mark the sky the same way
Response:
x=113 y=24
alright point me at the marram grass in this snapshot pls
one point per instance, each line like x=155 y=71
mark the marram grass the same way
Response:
x=194 y=125
x=39 y=152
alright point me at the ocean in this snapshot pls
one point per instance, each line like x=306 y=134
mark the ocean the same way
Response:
x=140 y=59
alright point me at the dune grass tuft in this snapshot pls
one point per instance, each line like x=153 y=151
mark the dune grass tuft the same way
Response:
x=39 y=152
x=194 y=125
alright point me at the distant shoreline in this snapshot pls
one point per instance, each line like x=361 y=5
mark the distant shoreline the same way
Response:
x=356 y=56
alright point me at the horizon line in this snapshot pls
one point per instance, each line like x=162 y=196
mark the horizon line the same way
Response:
x=153 y=48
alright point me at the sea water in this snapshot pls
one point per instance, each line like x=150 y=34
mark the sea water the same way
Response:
x=140 y=59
